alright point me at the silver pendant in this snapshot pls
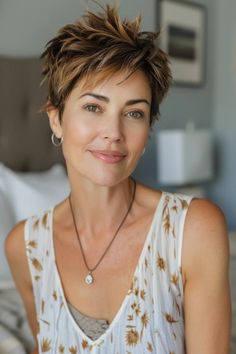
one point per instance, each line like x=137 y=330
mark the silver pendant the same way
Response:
x=89 y=279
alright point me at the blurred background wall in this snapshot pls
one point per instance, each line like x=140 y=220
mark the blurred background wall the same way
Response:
x=26 y=25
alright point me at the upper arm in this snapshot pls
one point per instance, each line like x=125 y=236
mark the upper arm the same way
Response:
x=206 y=271
x=16 y=255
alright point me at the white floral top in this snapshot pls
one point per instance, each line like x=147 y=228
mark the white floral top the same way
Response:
x=150 y=319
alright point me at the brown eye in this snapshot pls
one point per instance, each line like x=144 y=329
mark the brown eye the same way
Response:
x=135 y=114
x=94 y=108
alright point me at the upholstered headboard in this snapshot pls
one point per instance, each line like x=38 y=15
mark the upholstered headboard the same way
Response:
x=25 y=136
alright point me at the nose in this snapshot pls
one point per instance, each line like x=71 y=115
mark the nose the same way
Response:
x=113 y=130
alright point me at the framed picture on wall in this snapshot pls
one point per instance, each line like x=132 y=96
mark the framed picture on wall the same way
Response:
x=183 y=37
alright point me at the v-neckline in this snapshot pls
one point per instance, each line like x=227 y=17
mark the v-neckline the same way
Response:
x=155 y=219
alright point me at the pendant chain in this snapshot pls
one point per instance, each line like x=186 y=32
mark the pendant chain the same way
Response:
x=90 y=279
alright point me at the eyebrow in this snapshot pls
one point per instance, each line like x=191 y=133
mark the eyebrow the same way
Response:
x=106 y=99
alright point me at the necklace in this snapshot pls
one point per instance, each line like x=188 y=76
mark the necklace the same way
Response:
x=89 y=278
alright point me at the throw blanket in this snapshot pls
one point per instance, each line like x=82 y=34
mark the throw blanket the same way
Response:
x=15 y=335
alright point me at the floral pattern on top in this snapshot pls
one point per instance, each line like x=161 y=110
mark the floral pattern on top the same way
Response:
x=150 y=319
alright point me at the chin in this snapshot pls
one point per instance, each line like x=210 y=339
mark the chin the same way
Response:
x=108 y=181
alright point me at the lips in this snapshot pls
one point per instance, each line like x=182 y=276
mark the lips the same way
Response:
x=108 y=156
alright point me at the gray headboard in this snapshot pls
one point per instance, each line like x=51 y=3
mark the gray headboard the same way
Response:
x=25 y=136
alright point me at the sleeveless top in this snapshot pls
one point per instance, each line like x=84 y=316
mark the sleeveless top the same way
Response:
x=150 y=319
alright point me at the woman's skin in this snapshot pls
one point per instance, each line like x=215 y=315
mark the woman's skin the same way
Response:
x=105 y=129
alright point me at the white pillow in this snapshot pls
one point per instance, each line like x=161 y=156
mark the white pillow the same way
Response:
x=23 y=195
x=7 y=221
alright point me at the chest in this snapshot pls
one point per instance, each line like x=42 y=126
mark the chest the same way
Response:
x=149 y=318
x=112 y=278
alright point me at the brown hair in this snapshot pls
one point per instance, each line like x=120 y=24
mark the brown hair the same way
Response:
x=95 y=47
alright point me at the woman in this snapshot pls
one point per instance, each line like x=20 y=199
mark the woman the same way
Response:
x=117 y=267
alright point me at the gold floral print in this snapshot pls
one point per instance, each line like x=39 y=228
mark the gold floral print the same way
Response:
x=142 y=306
x=132 y=337
x=149 y=347
x=54 y=294
x=170 y=318
x=42 y=306
x=184 y=203
x=144 y=321
x=136 y=308
x=166 y=222
x=45 y=345
x=45 y=220
x=73 y=349
x=35 y=224
x=174 y=278
x=37 y=265
x=84 y=344
x=142 y=294
x=31 y=244
x=161 y=263
x=175 y=208
x=61 y=349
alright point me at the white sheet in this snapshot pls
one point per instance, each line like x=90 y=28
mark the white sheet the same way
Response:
x=15 y=335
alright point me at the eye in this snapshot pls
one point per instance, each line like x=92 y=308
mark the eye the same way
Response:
x=135 y=114
x=94 y=108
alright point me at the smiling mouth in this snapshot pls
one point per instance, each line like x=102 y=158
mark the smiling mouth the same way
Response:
x=108 y=156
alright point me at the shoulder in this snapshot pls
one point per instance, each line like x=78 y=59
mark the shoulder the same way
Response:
x=147 y=197
x=205 y=220
x=205 y=237
x=15 y=241
x=16 y=253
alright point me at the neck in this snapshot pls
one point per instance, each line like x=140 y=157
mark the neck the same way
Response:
x=98 y=209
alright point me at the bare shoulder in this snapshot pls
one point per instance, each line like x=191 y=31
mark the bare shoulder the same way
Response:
x=15 y=241
x=205 y=235
x=206 y=220
x=147 y=196
x=15 y=252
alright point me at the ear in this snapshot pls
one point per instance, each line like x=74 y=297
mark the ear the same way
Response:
x=54 y=121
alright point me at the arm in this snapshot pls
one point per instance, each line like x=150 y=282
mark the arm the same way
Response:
x=16 y=255
x=206 y=291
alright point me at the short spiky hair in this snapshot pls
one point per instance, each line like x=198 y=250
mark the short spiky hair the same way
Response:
x=98 y=45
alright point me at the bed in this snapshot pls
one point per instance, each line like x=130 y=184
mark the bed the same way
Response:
x=32 y=179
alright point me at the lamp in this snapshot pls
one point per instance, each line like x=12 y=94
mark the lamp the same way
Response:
x=185 y=157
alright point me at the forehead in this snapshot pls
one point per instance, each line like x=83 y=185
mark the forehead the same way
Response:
x=120 y=80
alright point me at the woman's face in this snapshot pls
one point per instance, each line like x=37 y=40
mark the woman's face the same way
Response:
x=105 y=128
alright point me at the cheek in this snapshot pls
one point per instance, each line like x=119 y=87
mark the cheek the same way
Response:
x=77 y=133
x=138 y=139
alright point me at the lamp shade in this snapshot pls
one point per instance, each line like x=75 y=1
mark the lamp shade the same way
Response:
x=184 y=156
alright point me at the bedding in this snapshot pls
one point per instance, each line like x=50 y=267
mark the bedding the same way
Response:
x=25 y=146
x=15 y=335
x=22 y=195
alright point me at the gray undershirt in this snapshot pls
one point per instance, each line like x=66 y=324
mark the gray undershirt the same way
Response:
x=92 y=327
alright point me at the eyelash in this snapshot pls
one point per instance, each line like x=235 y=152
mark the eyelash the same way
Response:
x=91 y=107
x=95 y=108
x=136 y=114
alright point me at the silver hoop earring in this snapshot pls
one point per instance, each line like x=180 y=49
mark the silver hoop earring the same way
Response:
x=56 y=141
x=144 y=149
